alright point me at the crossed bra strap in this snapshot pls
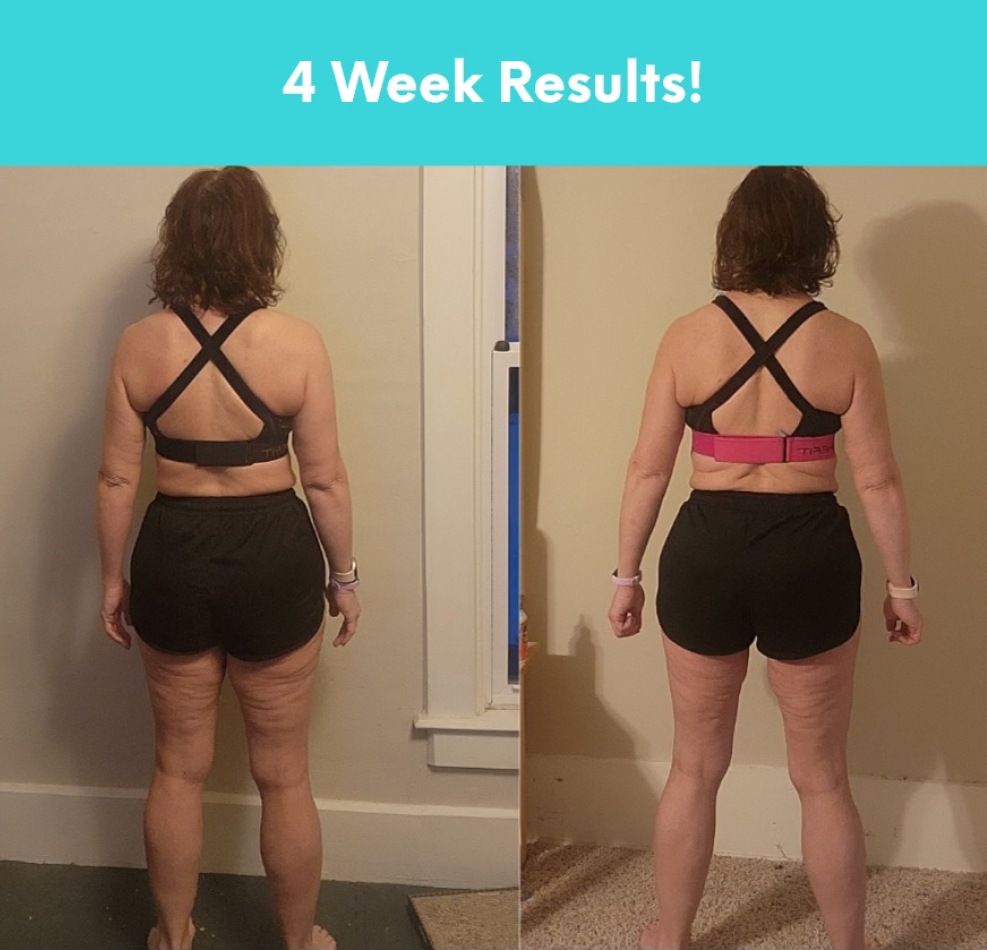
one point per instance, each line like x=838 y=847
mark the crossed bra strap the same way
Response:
x=271 y=443
x=814 y=436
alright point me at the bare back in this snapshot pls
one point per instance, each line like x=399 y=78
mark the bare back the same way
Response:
x=271 y=350
x=705 y=349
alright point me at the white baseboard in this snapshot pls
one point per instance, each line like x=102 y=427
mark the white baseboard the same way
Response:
x=427 y=845
x=611 y=802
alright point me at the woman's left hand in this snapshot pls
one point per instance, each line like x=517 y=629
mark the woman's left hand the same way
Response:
x=345 y=603
x=625 y=610
x=903 y=621
x=116 y=612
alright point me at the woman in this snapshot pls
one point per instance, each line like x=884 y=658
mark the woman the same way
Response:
x=762 y=551
x=227 y=574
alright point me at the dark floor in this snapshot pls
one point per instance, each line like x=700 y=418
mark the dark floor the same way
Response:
x=60 y=907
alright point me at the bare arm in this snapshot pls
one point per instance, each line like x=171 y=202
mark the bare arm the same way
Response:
x=324 y=479
x=651 y=464
x=119 y=477
x=648 y=475
x=320 y=464
x=867 y=442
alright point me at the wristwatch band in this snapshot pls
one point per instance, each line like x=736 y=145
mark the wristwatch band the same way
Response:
x=626 y=581
x=350 y=580
x=336 y=584
x=903 y=593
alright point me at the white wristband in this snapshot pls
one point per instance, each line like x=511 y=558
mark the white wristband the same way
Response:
x=345 y=576
x=626 y=581
x=903 y=593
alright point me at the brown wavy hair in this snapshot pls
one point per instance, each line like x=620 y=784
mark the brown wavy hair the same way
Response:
x=777 y=235
x=220 y=244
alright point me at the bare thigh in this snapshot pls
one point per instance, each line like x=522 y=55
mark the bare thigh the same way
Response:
x=276 y=701
x=816 y=697
x=184 y=693
x=705 y=695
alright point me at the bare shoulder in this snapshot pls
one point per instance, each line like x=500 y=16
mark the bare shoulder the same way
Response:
x=293 y=333
x=698 y=319
x=684 y=331
x=839 y=320
x=144 y=333
x=851 y=336
x=282 y=321
x=152 y=323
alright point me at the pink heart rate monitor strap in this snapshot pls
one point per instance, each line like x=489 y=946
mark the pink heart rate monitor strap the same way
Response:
x=762 y=449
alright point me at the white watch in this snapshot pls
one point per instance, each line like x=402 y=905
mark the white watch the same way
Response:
x=903 y=593
x=626 y=581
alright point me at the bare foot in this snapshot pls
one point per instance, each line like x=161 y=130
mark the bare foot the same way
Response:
x=651 y=938
x=156 y=942
x=321 y=939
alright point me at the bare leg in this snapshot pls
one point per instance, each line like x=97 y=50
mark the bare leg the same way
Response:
x=815 y=696
x=184 y=694
x=276 y=699
x=705 y=693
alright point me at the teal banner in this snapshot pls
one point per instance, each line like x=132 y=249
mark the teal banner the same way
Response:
x=450 y=83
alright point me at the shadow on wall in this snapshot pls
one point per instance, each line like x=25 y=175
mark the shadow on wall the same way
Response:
x=928 y=265
x=570 y=680
x=556 y=681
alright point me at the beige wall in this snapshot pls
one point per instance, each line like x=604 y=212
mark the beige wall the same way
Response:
x=74 y=245
x=611 y=257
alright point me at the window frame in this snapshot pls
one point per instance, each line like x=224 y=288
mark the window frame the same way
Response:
x=469 y=721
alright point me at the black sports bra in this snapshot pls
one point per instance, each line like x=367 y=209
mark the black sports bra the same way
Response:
x=814 y=421
x=271 y=443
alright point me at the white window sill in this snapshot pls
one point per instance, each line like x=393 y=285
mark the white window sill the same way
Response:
x=486 y=741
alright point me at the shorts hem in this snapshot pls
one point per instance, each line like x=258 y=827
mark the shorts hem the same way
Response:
x=703 y=649
x=277 y=654
x=161 y=649
x=790 y=656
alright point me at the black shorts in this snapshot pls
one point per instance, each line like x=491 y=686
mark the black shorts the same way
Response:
x=245 y=574
x=783 y=570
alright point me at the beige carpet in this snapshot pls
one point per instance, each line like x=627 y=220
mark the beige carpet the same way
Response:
x=579 y=898
x=474 y=920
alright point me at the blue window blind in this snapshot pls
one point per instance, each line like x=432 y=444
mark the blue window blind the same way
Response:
x=512 y=327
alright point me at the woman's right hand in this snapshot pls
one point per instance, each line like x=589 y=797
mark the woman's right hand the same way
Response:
x=903 y=620
x=115 y=612
x=625 y=610
x=345 y=603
